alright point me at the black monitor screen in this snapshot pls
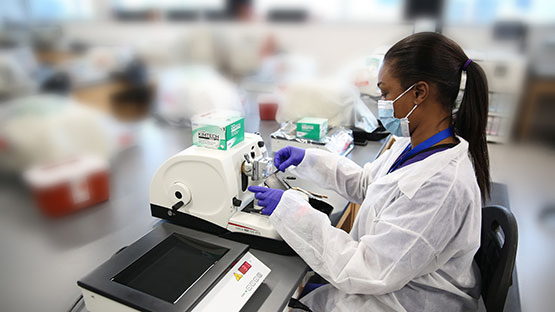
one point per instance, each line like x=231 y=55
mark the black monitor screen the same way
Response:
x=171 y=267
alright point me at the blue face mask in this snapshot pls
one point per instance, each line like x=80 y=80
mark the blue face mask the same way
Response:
x=386 y=113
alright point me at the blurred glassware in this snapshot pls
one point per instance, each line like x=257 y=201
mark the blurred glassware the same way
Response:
x=333 y=99
x=18 y=67
x=363 y=73
x=278 y=71
x=189 y=90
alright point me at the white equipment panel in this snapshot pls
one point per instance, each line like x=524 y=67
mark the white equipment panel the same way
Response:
x=236 y=287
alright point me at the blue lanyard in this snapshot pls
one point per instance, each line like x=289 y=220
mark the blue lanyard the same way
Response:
x=431 y=141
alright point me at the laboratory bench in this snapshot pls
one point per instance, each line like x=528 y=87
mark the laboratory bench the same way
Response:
x=42 y=258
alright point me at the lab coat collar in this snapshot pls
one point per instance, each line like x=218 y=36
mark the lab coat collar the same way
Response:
x=413 y=176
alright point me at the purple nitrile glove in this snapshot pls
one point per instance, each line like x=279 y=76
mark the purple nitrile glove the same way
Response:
x=288 y=156
x=267 y=197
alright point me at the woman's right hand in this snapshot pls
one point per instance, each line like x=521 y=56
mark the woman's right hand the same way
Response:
x=288 y=156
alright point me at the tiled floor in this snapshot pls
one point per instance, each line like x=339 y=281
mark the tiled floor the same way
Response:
x=529 y=172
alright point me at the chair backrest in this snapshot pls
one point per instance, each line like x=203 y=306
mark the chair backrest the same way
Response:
x=496 y=256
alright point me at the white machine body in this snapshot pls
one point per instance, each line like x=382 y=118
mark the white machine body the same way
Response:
x=229 y=294
x=209 y=183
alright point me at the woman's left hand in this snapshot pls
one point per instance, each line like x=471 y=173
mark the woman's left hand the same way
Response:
x=268 y=198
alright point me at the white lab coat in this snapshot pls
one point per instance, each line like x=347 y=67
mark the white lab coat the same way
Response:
x=412 y=244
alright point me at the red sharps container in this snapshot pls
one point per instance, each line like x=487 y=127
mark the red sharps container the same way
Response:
x=268 y=106
x=64 y=187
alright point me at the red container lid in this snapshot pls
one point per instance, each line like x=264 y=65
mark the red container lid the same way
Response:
x=61 y=172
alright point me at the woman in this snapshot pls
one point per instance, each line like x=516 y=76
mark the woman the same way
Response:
x=413 y=242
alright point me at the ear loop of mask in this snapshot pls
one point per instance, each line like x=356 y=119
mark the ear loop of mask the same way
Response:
x=405 y=121
x=407 y=90
x=412 y=110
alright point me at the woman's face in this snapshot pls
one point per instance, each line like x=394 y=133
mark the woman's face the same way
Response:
x=391 y=88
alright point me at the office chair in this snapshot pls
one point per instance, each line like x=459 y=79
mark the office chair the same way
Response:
x=496 y=256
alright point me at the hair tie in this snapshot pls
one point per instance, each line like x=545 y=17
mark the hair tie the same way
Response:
x=466 y=64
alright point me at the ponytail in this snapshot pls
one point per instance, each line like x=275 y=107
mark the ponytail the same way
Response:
x=440 y=61
x=470 y=123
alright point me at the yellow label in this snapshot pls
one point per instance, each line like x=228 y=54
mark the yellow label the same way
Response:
x=238 y=276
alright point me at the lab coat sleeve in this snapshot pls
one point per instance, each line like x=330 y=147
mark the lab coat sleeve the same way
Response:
x=404 y=244
x=338 y=173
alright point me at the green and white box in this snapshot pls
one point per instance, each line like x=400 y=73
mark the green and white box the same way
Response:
x=312 y=128
x=217 y=130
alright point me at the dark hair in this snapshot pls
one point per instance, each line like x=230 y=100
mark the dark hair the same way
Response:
x=439 y=61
